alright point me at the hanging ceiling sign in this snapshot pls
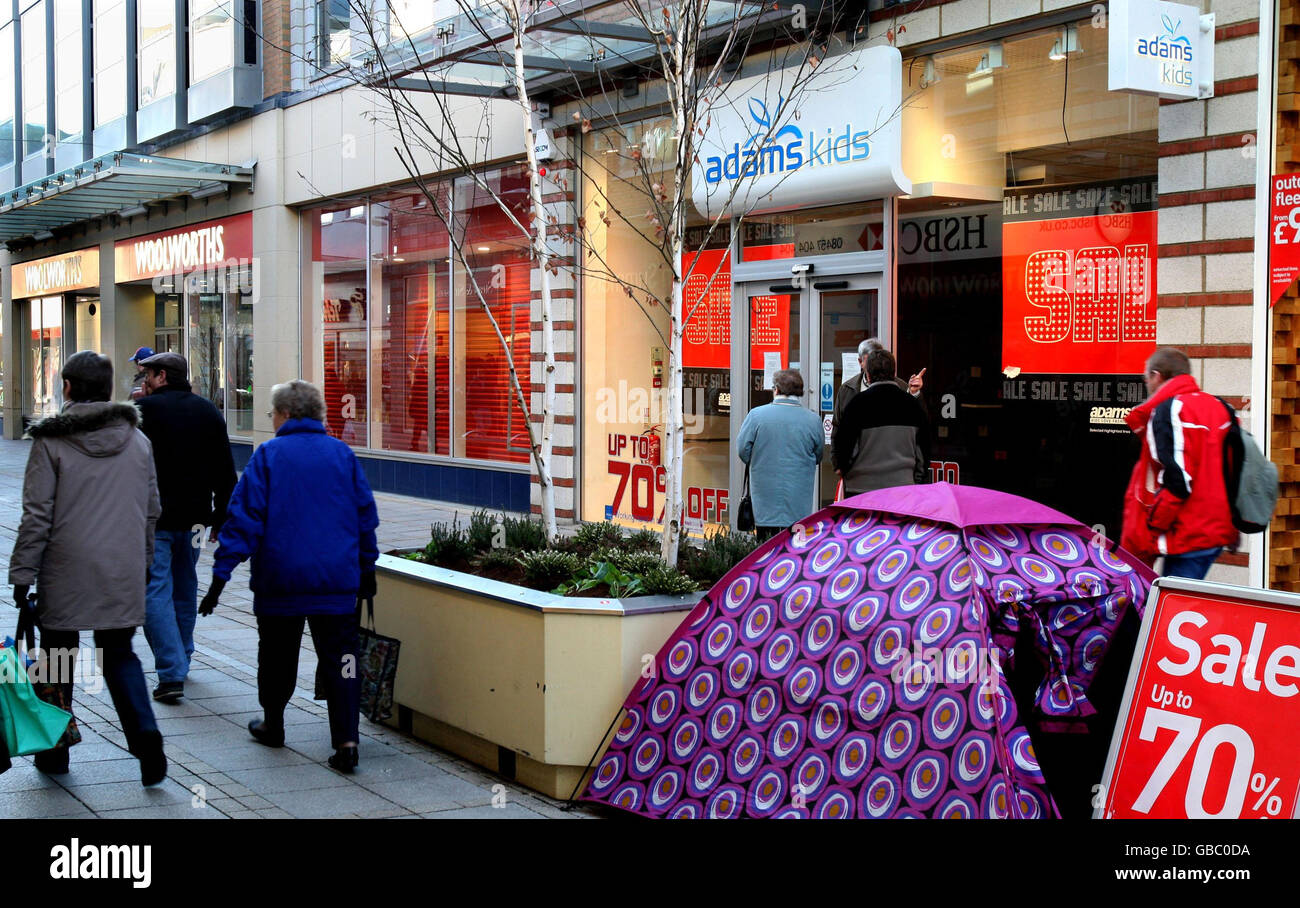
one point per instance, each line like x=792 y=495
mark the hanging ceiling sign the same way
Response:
x=800 y=137
x=1161 y=49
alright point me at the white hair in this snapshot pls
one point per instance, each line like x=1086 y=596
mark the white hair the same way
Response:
x=298 y=399
x=871 y=343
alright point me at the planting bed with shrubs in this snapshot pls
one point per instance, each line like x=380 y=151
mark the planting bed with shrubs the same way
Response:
x=598 y=560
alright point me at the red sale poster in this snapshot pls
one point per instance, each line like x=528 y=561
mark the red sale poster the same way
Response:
x=706 y=302
x=1209 y=722
x=1078 y=279
x=1284 y=247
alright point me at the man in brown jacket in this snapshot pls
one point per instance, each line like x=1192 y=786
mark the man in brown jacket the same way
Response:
x=90 y=502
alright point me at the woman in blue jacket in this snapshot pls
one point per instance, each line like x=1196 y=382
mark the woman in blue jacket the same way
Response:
x=304 y=513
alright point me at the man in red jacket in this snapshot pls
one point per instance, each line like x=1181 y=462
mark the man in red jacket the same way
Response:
x=1177 y=501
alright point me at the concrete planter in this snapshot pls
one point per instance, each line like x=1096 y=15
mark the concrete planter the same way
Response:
x=521 y=682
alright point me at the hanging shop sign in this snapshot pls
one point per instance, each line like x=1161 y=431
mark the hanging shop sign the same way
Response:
x=1078 y=278
x=1284 y=241
x=1208 y=724
x=803 y=136
x=198 y=247
x=1161 y=49
x=57 y=274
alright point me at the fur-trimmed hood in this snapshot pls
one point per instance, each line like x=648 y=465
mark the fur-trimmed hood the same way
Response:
x=100 y=429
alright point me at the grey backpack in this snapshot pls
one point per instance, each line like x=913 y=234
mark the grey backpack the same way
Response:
x=1250 y=478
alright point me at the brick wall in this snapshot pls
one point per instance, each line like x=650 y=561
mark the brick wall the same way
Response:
x=1205 y=272
x=275 y=47
x=559 y=200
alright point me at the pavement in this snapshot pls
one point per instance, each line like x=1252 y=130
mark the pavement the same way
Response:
x=216 y=770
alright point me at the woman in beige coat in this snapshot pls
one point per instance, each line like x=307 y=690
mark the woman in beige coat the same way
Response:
x=90 y=502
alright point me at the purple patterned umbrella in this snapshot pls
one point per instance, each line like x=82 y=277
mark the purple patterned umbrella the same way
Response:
x=853 y=666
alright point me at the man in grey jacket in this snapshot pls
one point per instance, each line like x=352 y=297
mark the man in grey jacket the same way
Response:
x=884 y=437
x=782 y=442
x=90 y=502
x=856 y=384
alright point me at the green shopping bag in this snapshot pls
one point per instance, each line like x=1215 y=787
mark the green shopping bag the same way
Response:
x=30 y=724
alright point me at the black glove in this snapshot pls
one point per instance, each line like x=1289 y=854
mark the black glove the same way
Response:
x=210 y=598
x=367 y=590
x=21 y=590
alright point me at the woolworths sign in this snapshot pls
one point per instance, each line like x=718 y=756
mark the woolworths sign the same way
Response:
x=56 y=274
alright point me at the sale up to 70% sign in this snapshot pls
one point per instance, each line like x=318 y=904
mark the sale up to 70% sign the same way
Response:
x=1210 y=725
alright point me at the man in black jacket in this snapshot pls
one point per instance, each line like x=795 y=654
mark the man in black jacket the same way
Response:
x=884 y=437
x=196 y=474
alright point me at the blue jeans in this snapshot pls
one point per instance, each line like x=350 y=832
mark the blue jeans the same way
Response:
x=1192 y=565
x=171 y=603
x=122 y=676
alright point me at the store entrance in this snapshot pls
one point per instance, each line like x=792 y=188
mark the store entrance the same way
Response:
x=813 y=327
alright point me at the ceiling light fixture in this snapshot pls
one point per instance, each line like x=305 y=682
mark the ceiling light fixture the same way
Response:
x=931 y=74
x=132 y=211
x=42 y=236
x=989 y=61
x=1067 y=43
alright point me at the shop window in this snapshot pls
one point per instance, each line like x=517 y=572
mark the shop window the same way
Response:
x=1026 y=266
x=212 y=38
x=409 y=360
x=207 y=346
x=239 y=361
x=858 y=227
x=110 y=60
x=68 y=77
x=489 y=422
x=413 y=324
x=35 y=127
x=45 y=355
x=6 y=96
x=157 y=49
x=339 y=280
x=624 y=400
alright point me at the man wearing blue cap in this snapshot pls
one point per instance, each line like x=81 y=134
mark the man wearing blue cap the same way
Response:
x=138 y=390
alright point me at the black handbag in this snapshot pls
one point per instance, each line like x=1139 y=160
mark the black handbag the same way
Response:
x=378 y=669
x=745 y=510
x=377 y=658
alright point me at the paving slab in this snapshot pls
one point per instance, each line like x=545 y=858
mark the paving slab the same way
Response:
x=274 y=781
x=205 y=734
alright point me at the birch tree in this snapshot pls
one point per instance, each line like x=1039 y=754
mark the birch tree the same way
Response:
x=694 y=60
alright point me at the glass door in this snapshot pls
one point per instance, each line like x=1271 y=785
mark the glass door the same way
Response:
x=813 y=327
x=772 y=320
x=848 y=313
x=45 y=356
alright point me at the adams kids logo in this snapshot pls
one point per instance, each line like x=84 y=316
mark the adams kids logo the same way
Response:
x=788 y=149
x=1172 y=51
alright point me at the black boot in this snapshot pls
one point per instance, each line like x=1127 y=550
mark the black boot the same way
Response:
x=344 y=759
x=148 y=749
x=52 y=762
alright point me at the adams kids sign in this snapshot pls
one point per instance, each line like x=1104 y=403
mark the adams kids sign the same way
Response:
x=1162 y=49
x=801 y=137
